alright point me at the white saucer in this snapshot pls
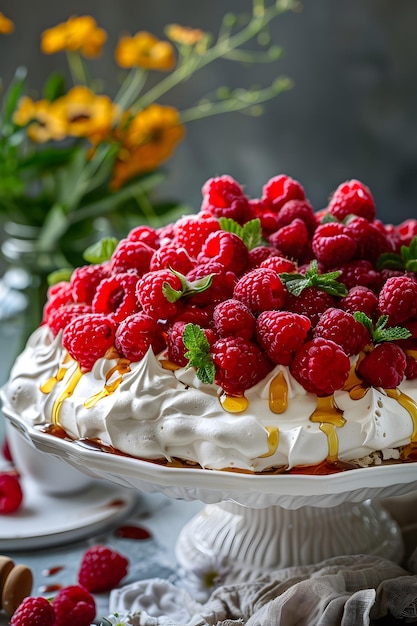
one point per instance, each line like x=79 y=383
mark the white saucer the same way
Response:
x=46 y=521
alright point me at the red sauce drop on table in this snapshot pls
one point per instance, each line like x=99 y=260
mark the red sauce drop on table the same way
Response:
x=132 y=532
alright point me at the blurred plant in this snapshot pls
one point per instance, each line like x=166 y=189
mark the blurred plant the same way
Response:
x=76 y=154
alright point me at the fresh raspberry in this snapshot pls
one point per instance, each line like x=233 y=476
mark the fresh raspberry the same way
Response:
x=297 y=209
x=279 y=190
x=173 y=257
x=407 y=231
x=145 y=234
x=279 y=264
x=11 y=494
x=61 y=317
x=267 y=217
x=165 y=234
x=222 y=284
x=358 y=273
x=74 y=605
x=131 y=256
x=57 y=295
x=239 y=364
x=371 y=240
x=136 y=334
x=232 y=318
x=257 y=255
x=411 y=368
x=175 y=342
x=6 y=452
x=102 y=569
x=191 y=231
x=202 y=316
x=150 y=294
x=398 y=299
x=260 y=290
x=88 y=338
x=116 y=296
x=384 y=366
x=224 y=197
x=34 y=611
x=280 y=334
x=360 y=298
x=342 y=328
x=352 y=197
x=312 y=302
x=321 y=366
x=332 y=244
x=85 y=280
x=292 y=239
x=225 y=248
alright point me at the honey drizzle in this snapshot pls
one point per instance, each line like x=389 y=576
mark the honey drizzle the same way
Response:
x=49 y=385
x=122 y=367
x=354 y=385
x=233 y=404
x=273 y=441
x=330 y=417
x=67 y=393
x=408 y=404
x=278 y=394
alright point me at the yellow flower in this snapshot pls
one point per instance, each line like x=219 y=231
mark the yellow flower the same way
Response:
x=146 y=51
x=87 y=114
x=6 y=25
x=77 y=33
x=46 y=122
x=184 y=34
x=149 y=140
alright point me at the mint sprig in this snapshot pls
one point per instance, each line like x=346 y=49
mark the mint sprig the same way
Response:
x=406 y=260
x=250 y=233
x=198 y=353
x=378 y=331
x=296 y=283
x=188 y=287
x=101 y=251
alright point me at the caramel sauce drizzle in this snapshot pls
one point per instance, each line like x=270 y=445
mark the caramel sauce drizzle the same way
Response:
x=233 y=404
x=330 y=417
x=169 y=365
x=122 y=367
x=278 y=394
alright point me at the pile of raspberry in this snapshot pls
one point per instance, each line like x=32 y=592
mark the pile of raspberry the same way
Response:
x=246 y=284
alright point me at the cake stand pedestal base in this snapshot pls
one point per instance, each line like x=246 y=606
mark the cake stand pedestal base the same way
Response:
x=275 y=537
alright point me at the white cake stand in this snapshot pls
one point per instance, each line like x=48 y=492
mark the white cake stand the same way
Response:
x=258 y=520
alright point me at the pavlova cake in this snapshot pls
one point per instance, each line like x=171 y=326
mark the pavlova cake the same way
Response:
x=257 y=335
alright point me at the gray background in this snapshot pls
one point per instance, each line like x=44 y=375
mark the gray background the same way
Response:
x=351 y=114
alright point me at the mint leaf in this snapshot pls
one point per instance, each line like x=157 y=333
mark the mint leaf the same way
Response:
x=296 y=283
x=250 y=233
x=379 y=332
x=406 y=260
x=101 y=250
x=188 y=287
x=198 y=353
x=61 y=275
x=230 y=226
x=390 y=260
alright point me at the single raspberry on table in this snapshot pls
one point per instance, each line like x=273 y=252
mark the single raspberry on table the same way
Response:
x=352 y=197
x=292 y=239
x=332 y=244
x=312 y=302
x=102 y=568
x=11 y=494
x=74 y=605
x=85 y=280
x=232 y=318
x=88 y=338
x=34 y=611
x=384 y=366
x=360 y=298
x=225 y=248
x=224 y=197
x=281 y=333
x=279 y=190
x=321 y=366
x=239 y=364
x=191 y=231
x=131 y=256
x=116 y=296
x=398 y=299
x=136 y=334
x=260 y=290
x=61 y=317
x=342 y=328
x=171 y=256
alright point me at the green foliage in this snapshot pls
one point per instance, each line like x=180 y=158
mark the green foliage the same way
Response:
x=296 y=283
x=198 y=353
x=379 y=332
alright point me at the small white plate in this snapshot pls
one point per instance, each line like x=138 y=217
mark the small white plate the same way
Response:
x=45 y=521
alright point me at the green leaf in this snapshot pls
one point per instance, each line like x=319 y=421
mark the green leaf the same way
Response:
x=101 y=250
x=61 y=275
x=54 y=87
x=188 y=288
x=198 y=353
x=230 y=226
x=390 y=260
x=296 y=283
x=379 y=332
x=250 y=233
x=13 y=94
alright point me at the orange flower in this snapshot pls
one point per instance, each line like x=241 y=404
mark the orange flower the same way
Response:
x=146 y=51
x=6 y=25
x=45 y=121
x=184 y=35
x=87 y=114
x=78 y=33
x=149 y=140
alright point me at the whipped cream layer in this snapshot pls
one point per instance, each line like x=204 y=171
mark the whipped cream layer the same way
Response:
x=149 y=412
